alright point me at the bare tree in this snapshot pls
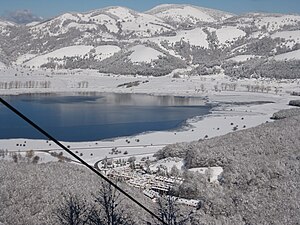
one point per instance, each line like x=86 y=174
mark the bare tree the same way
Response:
x=72 y=211
x=169 y=212
x=175 y=172
x=110 y=210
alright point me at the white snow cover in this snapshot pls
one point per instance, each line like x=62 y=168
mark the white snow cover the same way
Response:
x=275 y=22
x=32 y=24
x=81 y=27
x=288 y=35
x=23 y=58
x=5 y=23
x=168 y=163
x=143 y=25
x=228 y=34
x=77 y=50
x=105 y=20
x=196 y=37
x=293 y=55
x=2 y=65
x=186 y=13
x=242 y=58
x=142 y=53
x=59 y=21
x=215 y=172
x=3 y=26
x=215 y=124
x=259 y=34
x=69 y=16
x=63 y=23
x=180 y=13
x=106 y=51
x=121 y=12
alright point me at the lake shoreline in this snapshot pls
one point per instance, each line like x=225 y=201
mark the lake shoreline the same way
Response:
x=242 y=115
x=109 y=116
x=217 y=123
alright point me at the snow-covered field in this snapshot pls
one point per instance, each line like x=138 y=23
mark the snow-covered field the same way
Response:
x=288 y=35
x=78 y=50
x=228 y=34
x=100 y=52
x=226 y=118
x=242 y=58
x=2 y=65
x=142 y=53
x=293 y=55
x=195 y=37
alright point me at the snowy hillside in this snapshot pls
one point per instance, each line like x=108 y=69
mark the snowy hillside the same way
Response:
x=105 y=51
x=142 y=53
x=293 y=35
x=292 y=38
x=143 y=25
x=180 y=14
x=276 y=22
x=2 y=65
x=242 y=58
x=111 y=22
x=4 y=25
x=195 y=37
x=165 y=38
x=229 y=34
x=293 y=55
x=59 y=56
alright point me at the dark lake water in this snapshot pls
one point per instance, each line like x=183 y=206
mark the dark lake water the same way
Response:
x=90 y=117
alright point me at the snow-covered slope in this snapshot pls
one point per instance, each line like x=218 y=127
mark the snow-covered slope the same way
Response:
x=59 y=54
x=266 y=22
x=98 y=53
x=242 y=58
x=63 y=24
x=229 y=34
x=105 y=51
x=179 y=14
x=140 y=23
x=34 y=23
x=142 y=53
x=288 y=35
x=2 y=65
x=111 y=22
x=24 y=58
x=4 y=25
x=195 y=37
x=293 y=55
x=177 y=35
x=291 y=37
x=276 y=21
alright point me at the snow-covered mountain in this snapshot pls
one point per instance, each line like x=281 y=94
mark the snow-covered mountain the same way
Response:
x=4 y=24
x=111 y=22
x=188 y=15
x=157 y=41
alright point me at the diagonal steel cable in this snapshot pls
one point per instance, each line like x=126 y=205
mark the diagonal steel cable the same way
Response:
x=22 y=116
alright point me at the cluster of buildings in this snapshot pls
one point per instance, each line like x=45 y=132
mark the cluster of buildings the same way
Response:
x=152 y=185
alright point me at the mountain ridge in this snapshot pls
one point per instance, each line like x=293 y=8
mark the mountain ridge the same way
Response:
x=183 y=34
